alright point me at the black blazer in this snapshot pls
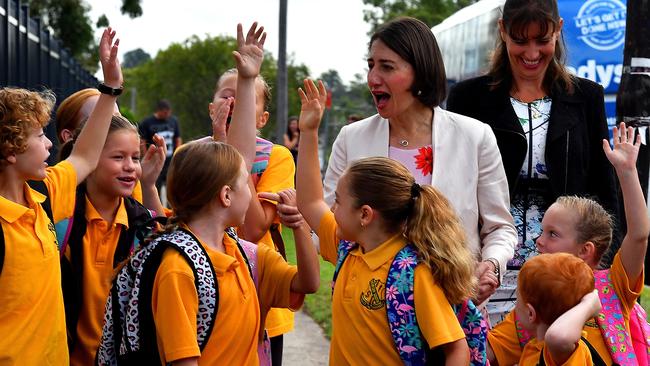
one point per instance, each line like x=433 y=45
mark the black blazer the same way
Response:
x=574 y=153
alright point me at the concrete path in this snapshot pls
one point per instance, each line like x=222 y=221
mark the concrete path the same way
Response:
x=306 y=345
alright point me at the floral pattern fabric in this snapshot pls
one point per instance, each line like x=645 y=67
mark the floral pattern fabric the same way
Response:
x=418 y=161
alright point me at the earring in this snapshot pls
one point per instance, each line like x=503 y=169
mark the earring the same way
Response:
x=419 y=92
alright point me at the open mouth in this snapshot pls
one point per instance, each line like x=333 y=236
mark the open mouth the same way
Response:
x=127 y=180
x=381 y=99
x=530 y=63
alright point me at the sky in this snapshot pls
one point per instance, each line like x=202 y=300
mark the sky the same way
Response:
x=323 y=35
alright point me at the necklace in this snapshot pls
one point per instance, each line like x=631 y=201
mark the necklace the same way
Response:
x=404 y=143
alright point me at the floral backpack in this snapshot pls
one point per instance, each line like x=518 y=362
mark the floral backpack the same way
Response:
x=626 y=349
x=400 y=308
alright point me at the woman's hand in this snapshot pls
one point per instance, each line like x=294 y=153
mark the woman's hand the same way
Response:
x=219 y=112
x=623 y=156
x=312 y=101
x=108 y=58
x=487 y=282
x=250 y=51
x=153 y=161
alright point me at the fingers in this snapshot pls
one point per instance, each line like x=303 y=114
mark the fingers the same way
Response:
x=269 y=196
x=240 y=34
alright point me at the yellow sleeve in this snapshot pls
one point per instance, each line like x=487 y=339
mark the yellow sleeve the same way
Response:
x=436 y=317
x=580 y=356
x=628 y=292
x=329 y=243
x=504 y=341
x=280 y=172
x=137 y=191
x=175 y=303
x=61 y=183
x=275 y=277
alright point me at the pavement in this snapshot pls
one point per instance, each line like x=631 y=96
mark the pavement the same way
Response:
x=306 y=345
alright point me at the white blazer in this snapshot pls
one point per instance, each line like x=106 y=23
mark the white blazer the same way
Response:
x=467 y=169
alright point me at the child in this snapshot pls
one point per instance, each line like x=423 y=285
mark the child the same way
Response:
x=379 y=206
x=102 y=232
x=272 y=171
x=581 y=227
x=32 y=319
x=555 y=296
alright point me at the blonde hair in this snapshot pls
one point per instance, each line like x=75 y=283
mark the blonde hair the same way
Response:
x=118 y=123
x=258 y=80
x=67 y=115
x=21 y=112
x=593 y=223
x=423 y=214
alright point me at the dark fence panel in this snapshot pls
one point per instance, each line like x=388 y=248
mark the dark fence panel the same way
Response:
x=30 y=57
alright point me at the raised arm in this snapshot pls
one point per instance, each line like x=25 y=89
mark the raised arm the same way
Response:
x=308 y=179
x=623 y=158
x=86 y=151
x=249 y=57
x=561 y=337
x=152 y=164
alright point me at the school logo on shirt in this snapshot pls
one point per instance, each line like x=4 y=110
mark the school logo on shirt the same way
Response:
x=374 y=297
x=50 y=226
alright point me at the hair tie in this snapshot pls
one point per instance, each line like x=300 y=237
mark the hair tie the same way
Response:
x=415 y=190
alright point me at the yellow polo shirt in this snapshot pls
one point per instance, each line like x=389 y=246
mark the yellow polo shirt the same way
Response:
x=360 y=330
x=530 y=355
x=278 y=176
x=99 y=245
x=32 y=317
x=234 y=337
x=503 y=337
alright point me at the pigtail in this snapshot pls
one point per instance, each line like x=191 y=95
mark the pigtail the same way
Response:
x=434 y=228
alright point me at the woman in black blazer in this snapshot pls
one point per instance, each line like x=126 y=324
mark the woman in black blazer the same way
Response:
x=537 y=109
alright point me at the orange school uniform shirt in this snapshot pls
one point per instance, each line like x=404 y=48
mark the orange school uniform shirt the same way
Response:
x=99 y=245
x=503 y=337
x=32 y=317
x=530 y=355
x=234 y=337
x=278 y=176
x=360 y=330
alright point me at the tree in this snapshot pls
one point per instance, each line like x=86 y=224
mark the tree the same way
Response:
x=186 y=74
x=135 y=58
x=431 y=12
x=71 y=24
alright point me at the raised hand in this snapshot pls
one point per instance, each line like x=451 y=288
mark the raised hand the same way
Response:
x=626 y=150
x=108 y=58
x=250 y=51
x=153 y=161
x=312 y=101
x=219 y=112
x=287 y=207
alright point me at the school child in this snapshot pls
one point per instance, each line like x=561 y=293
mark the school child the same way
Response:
x=555 y=296
x=379 y=206
x=581 y=227
x=32 y=319
x=272 y=171
x=103 y=231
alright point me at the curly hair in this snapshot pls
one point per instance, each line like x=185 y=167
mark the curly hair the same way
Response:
x=21 y=111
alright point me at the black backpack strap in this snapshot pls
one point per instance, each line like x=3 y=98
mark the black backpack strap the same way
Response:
x=141 y=224
x=595 y=357
x=39 y=186
x=2 y=248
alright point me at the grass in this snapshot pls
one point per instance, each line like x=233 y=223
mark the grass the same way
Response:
x=318 y=305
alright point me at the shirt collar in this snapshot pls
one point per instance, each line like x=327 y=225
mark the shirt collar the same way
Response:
x=11 y=211
x=121 y=217
x=384 y=253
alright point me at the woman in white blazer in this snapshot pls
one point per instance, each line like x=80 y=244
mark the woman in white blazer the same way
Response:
x=456 y=154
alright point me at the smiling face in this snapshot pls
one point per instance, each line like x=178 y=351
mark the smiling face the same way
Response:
x=558 y=231
x=119 y=167
x=30 y=164
x=531 y=51
x=390 y=79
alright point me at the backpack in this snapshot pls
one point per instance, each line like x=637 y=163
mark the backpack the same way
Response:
x=625 y=348
x=400 y=310
x=631 y=348
x=129 y=333
x=39 y=186
x=70 y=233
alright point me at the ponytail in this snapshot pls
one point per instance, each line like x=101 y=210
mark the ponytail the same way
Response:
x=436 y=232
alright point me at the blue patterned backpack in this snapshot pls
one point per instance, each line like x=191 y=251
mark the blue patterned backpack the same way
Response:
x=400 y=308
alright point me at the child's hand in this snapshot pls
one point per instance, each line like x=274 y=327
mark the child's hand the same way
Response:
x=250 y=51
x=219 y=112
x=626 y=150
x=593 y=301
x=287 y=207
x=312 y=101
x=108 y=58
x=153 y=161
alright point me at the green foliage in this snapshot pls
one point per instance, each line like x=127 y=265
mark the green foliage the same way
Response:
x=135 y=58
x=431 y=12
x=102 y=21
